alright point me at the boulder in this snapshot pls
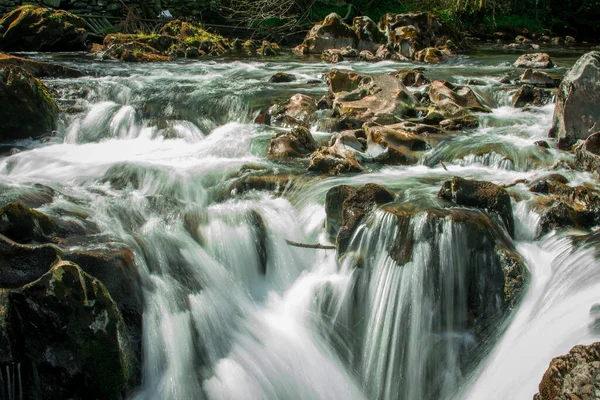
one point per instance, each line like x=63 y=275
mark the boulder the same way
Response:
x=480 y=194
x=369 y=35
x=573 y=375
x=299 y=110
x=410 y=145
x=26 y=107
x=39 y=69
x=381 y=98
x=409 y=33
x=334 y=160
x=430 y=55
x=331 y=33
x=576 y=113
x=298 y=142
x=534 y=60
x=24 y=225
x=277 y=184
x=30 y=28
x=412 y=77
x=69 y=337
x=452 y=101
x=528 y=95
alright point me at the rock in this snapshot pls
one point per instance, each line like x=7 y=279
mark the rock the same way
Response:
x=26 y=107
x=277 y=184
x=537 y=78
x=333 y=56
x=118 y=272
x=366 y=55
x=411 y=77
x=299 y=110
x=570 y=40
x=282 y=77
x=24 y=225
x=587 y=154
x=409 y=33
x=268 y=49
x=454 y=101
x=39 y=69
x=528 y=95
x=572 y=376
x=578 y=100
x=299 y=142
x=331 y=33
x=137 y=52
x=430 y=55
x=346 y=207
x=534 y=60
x=380 y=98
x=480 y=194
x=409 y=145
x=334 y=160
x=30 y=28
x=69 y=332
x=22 y=264
x=369 y=35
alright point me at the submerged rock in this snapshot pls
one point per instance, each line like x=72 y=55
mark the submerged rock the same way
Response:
x=31 y=28
x=26 y=107
x=576 y=114
x=480 y=194
x=282 y=77
x=572 y=376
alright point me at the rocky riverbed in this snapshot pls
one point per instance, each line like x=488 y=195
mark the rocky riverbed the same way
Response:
x=384 y=212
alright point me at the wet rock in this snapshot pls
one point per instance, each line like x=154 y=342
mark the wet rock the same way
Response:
x=282 y=77
x=572 y=376
x=331 y=33
x=26 y=107
x=268 y=49
x=24 y=225
x=537 y=78
x=346 y=207
x=452 y=101
x=22 y=264
x=366 y=55
x=480 y=194
x=137 y=52
x=70 y=337
x=30 y=28
x=299 y=142
x=261 y=235
x=39 y=69
x=334 y=160
x=380 y=98
x=534 y=60
x=587 y=154
x=299 y=110
x=401 y=141
x=118 y=271
x=277 y=184
x=529 y=95
x=578 y=100
x=459 y=123
x=430 y=55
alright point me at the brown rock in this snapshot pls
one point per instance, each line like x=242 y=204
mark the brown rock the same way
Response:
x=534 y=60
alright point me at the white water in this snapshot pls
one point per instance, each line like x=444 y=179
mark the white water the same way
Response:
x=311 y=327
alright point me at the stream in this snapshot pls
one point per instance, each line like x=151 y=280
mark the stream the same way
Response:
x=149 y=153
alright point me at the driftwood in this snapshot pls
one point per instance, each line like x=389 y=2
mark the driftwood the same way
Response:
x=311 y=246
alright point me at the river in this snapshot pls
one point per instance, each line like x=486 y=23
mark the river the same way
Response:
x=147 y=150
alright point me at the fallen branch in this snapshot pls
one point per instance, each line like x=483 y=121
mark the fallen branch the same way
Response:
x=311 y=246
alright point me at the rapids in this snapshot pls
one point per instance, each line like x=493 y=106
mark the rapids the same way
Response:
x=148 y=153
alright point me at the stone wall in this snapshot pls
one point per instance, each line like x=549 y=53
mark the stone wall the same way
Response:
x=146 y=8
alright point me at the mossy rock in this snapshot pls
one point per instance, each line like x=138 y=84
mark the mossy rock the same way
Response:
x=72 y=335
x=30 y=28
x=26 y=106
x=23 y=224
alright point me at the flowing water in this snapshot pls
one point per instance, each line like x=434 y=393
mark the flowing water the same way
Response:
x=148 y=154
